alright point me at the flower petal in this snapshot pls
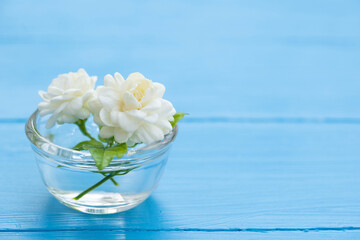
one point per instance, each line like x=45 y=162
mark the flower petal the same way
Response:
x=109 y=81
x=45 y=109
x=57 y=85
x=60 y=99
x=149 y=133
x=94 y=105
x=44 y=95
x=73 y=92
x=121 y=136
x=74 y=106
x=107 y=132
x=143 y=116
x=156 y=90
x=61 y=108
x=105 y=117
x=126 y=122
x=87 y=96
x=167 y=110
x=108 y=98
x=66 y=118
x=135 y=76
x=119 y=79
x=83 y=113
x=137 y=114
x=133 y=140
x=164 y=125
x=82 y=72
x=153 y=106
x=130 y=101
x=93 y=80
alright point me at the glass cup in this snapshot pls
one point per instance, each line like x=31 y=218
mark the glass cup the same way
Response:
x=73 y=178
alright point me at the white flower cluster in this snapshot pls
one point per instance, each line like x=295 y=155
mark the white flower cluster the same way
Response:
x=67 y=98
x=131 y=110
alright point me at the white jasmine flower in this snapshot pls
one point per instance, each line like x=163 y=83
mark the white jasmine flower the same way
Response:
x=132 y=111
x=67 y=98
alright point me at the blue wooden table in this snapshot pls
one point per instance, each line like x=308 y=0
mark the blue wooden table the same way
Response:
x=272 y=146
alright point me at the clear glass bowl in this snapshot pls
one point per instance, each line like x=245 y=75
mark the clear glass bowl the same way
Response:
x=67 y=173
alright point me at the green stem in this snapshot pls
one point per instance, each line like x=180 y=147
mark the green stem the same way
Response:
x=112 y=179
x=112 y=174
x=93 y=187
x=81 y=124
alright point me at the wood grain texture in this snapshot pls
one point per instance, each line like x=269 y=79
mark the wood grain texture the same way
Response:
x=231 y=58
x=114 y=235
x=271 y=149
x=219 y=177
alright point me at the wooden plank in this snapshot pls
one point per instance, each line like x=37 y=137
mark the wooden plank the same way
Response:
x=328 y=235
x=219 y=177
x=231 y=58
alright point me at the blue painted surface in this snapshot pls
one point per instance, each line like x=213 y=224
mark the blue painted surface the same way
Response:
x=271 y=148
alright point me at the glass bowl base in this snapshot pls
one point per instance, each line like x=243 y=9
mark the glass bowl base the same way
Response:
x=100 y=202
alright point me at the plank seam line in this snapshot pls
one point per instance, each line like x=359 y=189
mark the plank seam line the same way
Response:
x=260 y=230
x=249 y=120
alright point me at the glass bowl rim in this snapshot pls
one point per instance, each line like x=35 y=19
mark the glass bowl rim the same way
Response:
x=147 y=151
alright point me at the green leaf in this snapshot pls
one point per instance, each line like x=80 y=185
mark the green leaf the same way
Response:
x=109 y=141
x=177 y=117
x=81 y=124
x=118 y=150
x=134 y=145
x=85 y=145
x=105 y=140
x=104 y=156
x=98 y=156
